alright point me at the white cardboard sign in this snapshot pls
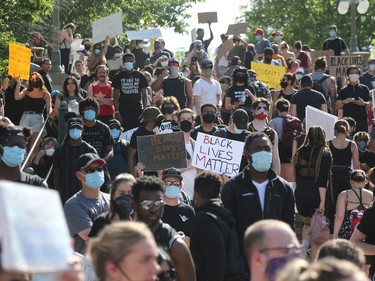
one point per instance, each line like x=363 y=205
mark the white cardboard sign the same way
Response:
x=33 y=229
x=316 y=117
x=108 y=26
x=216 y=154
x=143 y=34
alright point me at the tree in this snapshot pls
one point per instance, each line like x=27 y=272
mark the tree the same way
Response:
x=307 y=21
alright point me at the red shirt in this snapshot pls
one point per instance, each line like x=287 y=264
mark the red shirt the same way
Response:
x=104 y=92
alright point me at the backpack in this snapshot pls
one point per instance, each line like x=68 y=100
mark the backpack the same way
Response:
x=319 y=230
x=317 y=86
x=292 y=127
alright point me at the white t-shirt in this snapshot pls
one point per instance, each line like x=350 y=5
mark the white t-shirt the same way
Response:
x=208 y=92
x=189 y=175
x=261 y=187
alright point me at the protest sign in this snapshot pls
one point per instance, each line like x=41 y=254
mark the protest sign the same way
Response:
x=237 y=28
x=108 y=26
x=19 y=61
x=321 y=53
x=35 y=236
x=269 y=74
x=75 y=46
x=158 y=152
x=143 y=34
x=316 y=117
x=339 y=64
x=207 y=17
x=216 y=154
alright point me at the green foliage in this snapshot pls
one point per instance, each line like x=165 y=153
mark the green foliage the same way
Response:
x=308 y=21
x=137 y=14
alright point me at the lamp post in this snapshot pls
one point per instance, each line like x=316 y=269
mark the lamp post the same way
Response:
x=362 y=7
x=55 y=54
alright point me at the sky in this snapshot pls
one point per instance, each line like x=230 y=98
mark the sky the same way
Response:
x=227 y=11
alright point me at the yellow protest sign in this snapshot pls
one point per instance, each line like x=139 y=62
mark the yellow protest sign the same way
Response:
x=19 y=61
x=269 y=74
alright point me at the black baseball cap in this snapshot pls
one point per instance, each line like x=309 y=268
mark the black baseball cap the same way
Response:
x=240 y=118
x=87 y=159
x=171 y=172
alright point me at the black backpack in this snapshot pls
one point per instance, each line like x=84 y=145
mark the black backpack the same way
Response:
x=317 y=86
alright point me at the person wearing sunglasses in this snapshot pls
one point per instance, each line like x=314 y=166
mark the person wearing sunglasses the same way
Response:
x=148 y=203
x=83 y=207
x=177 y=212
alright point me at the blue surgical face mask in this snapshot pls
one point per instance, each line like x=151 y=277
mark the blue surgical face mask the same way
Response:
x=97 y=52
x=332 y=33
x=172 y=192
x=261 y=160
x=128 y=65
x=258 y=37
x=299 y=76
x=115 y=133
x=95 y=180
x=279 y=37
x=13 y=155
x=89 y=114
x=75 y=133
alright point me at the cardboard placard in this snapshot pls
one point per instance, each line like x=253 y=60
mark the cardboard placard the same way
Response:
x=316 y=117
x=158 y=152
x=207 y=17
x=339 y=64
x=321 y=53
x=108 y=26
x=219 y=155
x=237 y=28
x=143 y=34
x=34 y=232
x=269 y=74
x=19 y=61
x=75 y=46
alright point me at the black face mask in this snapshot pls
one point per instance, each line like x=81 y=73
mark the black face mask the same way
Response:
x=209 y=118
x=283 y=84
x=87 y=47
x=123 y=206
x=168 y=109
x=175 y=126
x=241 y=79
x=186 y=126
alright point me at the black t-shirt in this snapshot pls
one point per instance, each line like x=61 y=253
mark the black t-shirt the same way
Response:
x=130 y=85
x=366 y=80
x=367 y=226
x=337 y=45
x=307 y=97
x=358 y=113
x=65 y=160
x=13 y=109
x=141 y=131
x=194 y=133
x=237 y=93
x=99 y=136
x=84 y=79
x=367 y=157
x=180 y=217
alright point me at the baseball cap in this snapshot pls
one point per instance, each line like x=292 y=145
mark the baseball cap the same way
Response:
x=74 y=122
x=252 y=73
x=240 y=118
x=173 y=61
x=87 y=159
x=207 y=62
x=259 y=31
x=171 y=172
x=150 y=113
x=198 y=43
x=114 y=123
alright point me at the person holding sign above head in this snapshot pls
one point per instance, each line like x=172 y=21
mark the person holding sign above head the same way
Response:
x=130 y=95
x=66 y=39
x=335 y=43
x=82 y=208
x=200 y=35
x=257 y=192
x=353 y=99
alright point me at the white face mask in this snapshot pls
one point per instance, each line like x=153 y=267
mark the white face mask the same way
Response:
x=353 y=78
x=164 y=63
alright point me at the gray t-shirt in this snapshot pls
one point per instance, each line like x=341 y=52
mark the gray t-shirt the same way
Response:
x=261 y=45
x=80 y=212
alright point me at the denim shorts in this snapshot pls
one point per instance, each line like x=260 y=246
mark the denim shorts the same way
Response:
x=34 y=120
